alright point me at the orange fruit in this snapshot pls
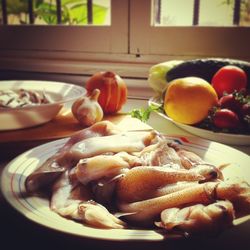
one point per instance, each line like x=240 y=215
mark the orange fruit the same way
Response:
x=189 y=99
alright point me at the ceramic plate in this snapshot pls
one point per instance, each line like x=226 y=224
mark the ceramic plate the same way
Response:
x=29 y=116
x=227 y=138
x=37 y=209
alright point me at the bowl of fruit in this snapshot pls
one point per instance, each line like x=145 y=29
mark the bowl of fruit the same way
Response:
x=207 y=97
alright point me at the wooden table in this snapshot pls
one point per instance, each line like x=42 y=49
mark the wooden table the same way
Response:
x=17 y=231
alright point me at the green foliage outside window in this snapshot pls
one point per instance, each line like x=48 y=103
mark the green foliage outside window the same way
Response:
x=244 y=10
x=73 y=12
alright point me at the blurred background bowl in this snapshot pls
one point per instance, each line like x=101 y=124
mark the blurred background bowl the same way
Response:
x=24 y=117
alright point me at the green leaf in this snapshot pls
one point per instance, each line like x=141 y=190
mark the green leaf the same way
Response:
x=99 y=14
x=74 y=14
x=47 y=12
x=82 y=2
x=144 y=114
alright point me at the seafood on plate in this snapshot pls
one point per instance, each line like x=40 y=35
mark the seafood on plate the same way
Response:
x=107 y=178
x=22 y=98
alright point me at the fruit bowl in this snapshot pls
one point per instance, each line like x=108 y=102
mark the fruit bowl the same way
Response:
x=32 y=115
x=226 y=138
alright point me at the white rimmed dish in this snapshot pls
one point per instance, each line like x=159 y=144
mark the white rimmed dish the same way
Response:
x=29 y=116
x=226 y=138
x=37 y=209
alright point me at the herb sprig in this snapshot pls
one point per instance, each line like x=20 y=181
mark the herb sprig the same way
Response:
x=143 y=114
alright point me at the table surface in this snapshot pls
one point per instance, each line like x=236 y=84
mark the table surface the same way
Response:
x=17 y=230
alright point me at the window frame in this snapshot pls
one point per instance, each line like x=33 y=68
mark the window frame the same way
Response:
x=194 y=41
x=130 y=46
x=89 y=38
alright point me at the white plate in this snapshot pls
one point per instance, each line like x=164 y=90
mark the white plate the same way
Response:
x=37 y=209
x=227 y=138
x=29 y=116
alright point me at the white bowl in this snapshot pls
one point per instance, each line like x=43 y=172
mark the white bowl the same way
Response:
x=29 y=116
x=226 y=138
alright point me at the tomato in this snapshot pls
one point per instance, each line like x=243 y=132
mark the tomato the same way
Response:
x=228 y=79
x=113 y=90
x=226 y=118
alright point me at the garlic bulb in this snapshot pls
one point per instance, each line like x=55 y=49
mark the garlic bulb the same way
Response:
x=87 y=109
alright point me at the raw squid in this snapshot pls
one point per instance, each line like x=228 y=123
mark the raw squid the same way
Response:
x=142 y=183
x=126 y=141
x=74 y=201
x=147 y=210
x=101 y=138
x=100 y=166
x=52 y=167
x=160 y=154
x=198 y=219
x=141 y=176
x=188 y=159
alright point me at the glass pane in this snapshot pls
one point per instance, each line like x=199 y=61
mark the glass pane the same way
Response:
x=66 y=12
x=102 y=12
x=174 y=12
x=201 y=12
x=245 y=13
x=73 y=12
x=17 y=11
x=216 y=13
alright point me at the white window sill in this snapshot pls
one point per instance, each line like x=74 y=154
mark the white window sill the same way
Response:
x=73 y=71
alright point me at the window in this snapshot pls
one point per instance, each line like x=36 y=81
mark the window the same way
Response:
x=185 y=41
x=47 y=12
x=201 y=12
x=137 y=34
x=66 y=38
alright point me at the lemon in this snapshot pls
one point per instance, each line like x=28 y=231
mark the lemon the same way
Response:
x=189 y=99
